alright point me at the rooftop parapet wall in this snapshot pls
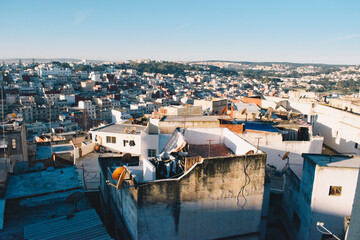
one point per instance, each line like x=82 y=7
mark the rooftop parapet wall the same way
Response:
x=201 y=204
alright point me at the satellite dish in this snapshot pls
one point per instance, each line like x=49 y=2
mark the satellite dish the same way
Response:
x=74 y=198
x=21 y=167
x=126 y=158
x=268 y=113
x=39 y=166
x=286 y=155
x=50 y=169
x=243 y=111
x=117 y=173
x=250 y=152
x=9 y=117
x=121 y=179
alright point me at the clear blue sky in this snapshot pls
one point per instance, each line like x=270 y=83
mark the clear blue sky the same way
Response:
x=315 y=31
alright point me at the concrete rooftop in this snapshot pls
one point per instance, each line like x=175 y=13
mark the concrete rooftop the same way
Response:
x=190 y=119
x=43 y=182
x=216 y=150
x=345 y=161
x=119 y=128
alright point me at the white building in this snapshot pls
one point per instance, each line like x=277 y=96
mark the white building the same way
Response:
x=127 y=138
x=70 y=98
x=87 y=85
x=276 y=141
x=36 y=128
x=353 y=232
x=96 y=77
x=323 y=191
x=340 y=129
x=119 y=116
x=89 y=107
x=54 y=71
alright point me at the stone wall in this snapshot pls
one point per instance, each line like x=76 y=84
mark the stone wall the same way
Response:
x=202 y=204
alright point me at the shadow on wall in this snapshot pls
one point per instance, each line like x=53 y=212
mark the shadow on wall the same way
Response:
x=333 y=222
x=338 y=144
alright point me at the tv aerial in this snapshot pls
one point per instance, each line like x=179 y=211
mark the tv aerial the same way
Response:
x=74 y=198
x=21 y=167
x=244 y=112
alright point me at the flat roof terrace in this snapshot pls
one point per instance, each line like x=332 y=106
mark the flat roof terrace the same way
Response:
x=216 y=150
x=120 y=128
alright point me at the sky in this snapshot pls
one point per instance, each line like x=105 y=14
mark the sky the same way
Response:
x=305 y=31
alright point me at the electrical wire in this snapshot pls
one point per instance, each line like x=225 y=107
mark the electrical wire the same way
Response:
x=247 y=182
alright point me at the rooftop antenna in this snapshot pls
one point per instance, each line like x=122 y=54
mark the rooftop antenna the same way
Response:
x=210 y=140
x=258 y=141
x=244 y=112
x=74 y=198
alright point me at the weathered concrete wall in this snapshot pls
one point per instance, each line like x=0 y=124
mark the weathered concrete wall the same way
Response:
x=297 y=199
x=85 y=149
x=354 y=230
x=203 y=203
x=124 y=202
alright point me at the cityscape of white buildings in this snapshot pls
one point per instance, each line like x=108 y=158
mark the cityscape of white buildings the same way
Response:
x=196 y=127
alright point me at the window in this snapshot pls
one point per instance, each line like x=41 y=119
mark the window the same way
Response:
x=356 y=145
x=110 y=139
x=13 y=141
x=335 y=191
x=132 y=143
x=296 y=221
x=151 y=152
